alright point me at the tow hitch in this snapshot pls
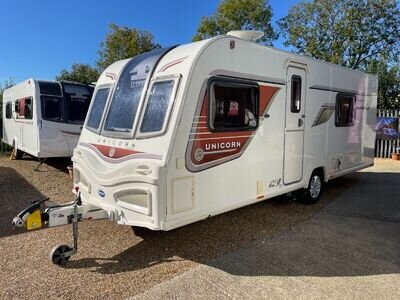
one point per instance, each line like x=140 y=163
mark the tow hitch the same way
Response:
x=38 y=215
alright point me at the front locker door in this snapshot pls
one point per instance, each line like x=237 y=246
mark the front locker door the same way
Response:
x=294 y=125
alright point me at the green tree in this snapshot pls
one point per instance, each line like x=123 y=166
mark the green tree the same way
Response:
x=346 y=32
x=238 y=15
x=82 y=73
x=123 y=42
x=389 y=83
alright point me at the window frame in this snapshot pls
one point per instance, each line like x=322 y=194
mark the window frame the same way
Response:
x=352 y=98
x=176 y=78
x=293 y=108
x=109 y=86
x=233 y=82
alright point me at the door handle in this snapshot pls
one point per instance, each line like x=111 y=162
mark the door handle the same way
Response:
x=301 y=122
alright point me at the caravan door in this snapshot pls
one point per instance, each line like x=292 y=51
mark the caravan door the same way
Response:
x=294 y=125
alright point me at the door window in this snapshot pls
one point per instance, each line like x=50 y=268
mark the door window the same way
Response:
x=295 y=103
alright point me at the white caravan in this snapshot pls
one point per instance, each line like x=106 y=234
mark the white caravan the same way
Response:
x=44 y=118
x=179 y=134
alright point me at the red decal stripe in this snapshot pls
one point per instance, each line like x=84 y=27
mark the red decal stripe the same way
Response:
x=116 y=152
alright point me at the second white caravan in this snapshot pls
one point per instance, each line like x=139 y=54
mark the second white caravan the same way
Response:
x=44 y=118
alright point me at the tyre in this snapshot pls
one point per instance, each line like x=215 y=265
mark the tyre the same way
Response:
x=19 y=154
x=59 y=255
x=312 y=193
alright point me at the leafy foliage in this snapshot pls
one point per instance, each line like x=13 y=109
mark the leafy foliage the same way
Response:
x=345 y=32
x=389 y=83
x=82 y=73
x=238 y=15
x=123 y=42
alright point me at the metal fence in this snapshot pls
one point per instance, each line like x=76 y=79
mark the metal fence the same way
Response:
x=385 y=148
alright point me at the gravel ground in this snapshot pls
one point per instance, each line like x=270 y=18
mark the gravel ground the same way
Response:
x=112 y=262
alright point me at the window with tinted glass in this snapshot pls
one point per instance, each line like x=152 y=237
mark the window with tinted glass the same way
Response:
x=295 y=103
x=344 y=110
x=99 y=102
x=8 y=110
x=77 y=100
x=157 y=106
x=128 y=91
x=52 y=108
x=50 y=88
x=233 y=105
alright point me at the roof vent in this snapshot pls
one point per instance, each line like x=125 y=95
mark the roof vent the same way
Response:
x=249 y=35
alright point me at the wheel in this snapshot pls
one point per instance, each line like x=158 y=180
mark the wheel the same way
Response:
x=141 y=231
x=312 y=193
x=58 y=254
x=19 y=154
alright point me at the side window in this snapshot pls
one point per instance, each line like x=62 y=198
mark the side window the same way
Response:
x=157 y=106
x=295 y=103
x=233 y=105
x=344 y=110
x=8 y=110
x=96 y=112
x=28 y=112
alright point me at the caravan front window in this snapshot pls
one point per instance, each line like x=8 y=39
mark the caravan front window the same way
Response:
x=157 y=106
x=52 y=108
x=77 y=98
x=97 y=110
x=128 y=92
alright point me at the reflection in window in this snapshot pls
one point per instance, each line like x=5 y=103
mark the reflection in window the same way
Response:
x=157 y=106
x=344 y=110
x=96 y=112
x=233 y=106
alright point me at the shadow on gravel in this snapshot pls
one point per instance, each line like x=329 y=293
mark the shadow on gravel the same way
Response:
x=59 y=163
x=203 y=241
x=15 y=194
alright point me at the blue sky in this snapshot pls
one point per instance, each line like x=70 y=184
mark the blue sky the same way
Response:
x=39 y=38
